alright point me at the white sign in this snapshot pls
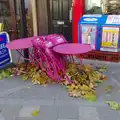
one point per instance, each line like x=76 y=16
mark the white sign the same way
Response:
x=90 y=19
x=113 y=19
x=60 y=22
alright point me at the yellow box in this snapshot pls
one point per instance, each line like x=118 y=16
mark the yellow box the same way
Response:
x=1 y=27
x=110 y=36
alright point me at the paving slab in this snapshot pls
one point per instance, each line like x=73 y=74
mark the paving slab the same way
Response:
x=88 y=113
x=67 y=119
x=2 y=117
x=10 y=112
x=48 y=113
x=66 y=112
x=105 y=113
x=26 y=110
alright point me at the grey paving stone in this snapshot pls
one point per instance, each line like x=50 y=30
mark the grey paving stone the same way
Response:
x=34 y=118
x=2 y=101
x=105 y=113
x=78 y=102
x=48 y=113
x=26 y=110
x=37 y=93
x=63 y=95
x=88 y=113
x=116 y=78
x=14 y=101
x=10 y=112
x=102 y=95
x=67 y=119
x=1 y=107
x=68 y=113
x=2 y=117
x=114 y=67
x=8 y=89
x=39 y=102
x=15 y=95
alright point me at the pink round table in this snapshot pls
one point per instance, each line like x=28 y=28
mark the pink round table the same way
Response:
x=72 y=49
x=20 y=43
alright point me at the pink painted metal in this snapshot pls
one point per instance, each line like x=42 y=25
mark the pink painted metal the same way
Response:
x=54 y=40
x=72 y=49
x=21 y=43
x=48 y=60
x=50 y=53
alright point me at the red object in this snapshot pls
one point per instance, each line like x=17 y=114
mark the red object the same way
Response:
x=1 y=39
x=103 y=56
x=78 y=11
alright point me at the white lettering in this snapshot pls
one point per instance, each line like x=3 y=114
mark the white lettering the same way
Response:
x=3 y=51
x=2 y=46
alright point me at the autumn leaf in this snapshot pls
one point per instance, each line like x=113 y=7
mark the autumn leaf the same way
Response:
x=109 y=88
x=35 y=113
x=1 y=77
x=90 y=97
x=113 y=105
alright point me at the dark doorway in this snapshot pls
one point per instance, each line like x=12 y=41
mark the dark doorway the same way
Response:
x=59 y=18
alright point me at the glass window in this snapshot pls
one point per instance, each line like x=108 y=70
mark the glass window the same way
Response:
x=102 y=6
x=93 y=7
x=5 y=15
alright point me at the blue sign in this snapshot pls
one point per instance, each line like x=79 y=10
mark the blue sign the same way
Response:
x=5 y=55
x=89 y=30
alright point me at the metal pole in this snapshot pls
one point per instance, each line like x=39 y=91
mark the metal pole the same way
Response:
x=24 y=32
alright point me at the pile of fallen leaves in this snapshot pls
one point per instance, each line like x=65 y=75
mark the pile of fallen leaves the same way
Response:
x=85 y=78
x=30 y=72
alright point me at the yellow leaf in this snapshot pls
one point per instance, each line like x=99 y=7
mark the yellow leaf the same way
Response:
x=35 y=113
x=85 y=87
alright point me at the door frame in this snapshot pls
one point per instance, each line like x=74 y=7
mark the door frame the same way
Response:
x=13 y=19
x=49 y=16
x=42 y=17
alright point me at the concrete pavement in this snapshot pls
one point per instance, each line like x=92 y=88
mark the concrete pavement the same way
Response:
x=18 y=99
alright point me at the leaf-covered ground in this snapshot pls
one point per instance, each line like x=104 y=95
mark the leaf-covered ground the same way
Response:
x=85 y=78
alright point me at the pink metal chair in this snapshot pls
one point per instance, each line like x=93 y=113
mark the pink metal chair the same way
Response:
x=49 y=61
x=50 y=53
